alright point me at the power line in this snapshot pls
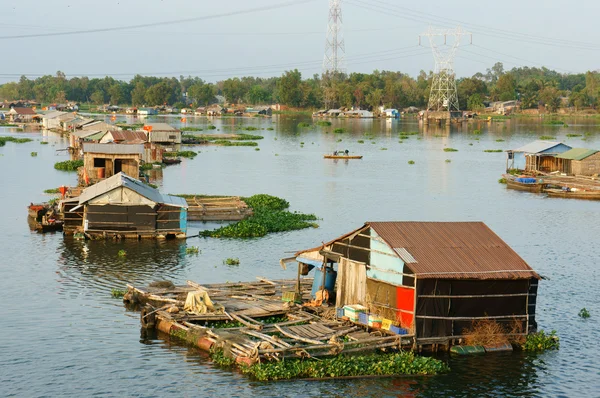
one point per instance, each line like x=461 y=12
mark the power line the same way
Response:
x=160 y=23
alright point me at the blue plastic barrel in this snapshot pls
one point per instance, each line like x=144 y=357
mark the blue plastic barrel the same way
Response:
x=330 y=278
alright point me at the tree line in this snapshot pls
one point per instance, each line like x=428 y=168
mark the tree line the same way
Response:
x=532 y=86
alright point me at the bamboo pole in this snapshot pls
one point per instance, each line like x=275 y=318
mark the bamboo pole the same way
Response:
x=296 y=337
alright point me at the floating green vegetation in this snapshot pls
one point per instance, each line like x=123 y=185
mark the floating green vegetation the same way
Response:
x=477 y=132
x=450 y=150
x=584 y=313
x=122 y=253
x=116 y=293
x=150 y=166
x=404 y=137
x=339 y=140
x=411 y=162
x=409 y=133
x=448 y=161
x=20 y=130
x=373 y=142
x=231 y=261
x=502 y=180
x=52 y=190
x=220 y=359
x=68 y=165
x=192 y=250
x=554 y=123
x=270 y=128
x=339 y=130
x=470 y=143
x=499 y=140
x=270 y=215
x=191 y=129
x=361 y=141
x=404 y=362
x=257 y=149
x=211 y=127
x=238 y=143
x=574 y=135
x=302 y=143
x=250 y=128
x=43 y=142
x=4 y=140
x=323 y=123
x=133 y=126
x=547 y=137
x=383 y=149
x=304 y=125
x=400 y=142
x=182 y=154
x=541 y=341
x=33 y=154
x=492 y=150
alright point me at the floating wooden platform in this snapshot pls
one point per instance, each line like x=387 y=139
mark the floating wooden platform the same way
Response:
x=227 y=208
x=271 y=328
x=342 y=157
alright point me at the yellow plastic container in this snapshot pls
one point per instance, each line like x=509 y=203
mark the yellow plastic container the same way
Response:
x=386 y=323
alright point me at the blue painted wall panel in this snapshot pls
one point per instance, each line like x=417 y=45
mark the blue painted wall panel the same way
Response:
x=183 y=220
x=384 y=263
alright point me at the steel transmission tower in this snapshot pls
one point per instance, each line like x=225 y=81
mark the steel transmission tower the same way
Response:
x=334 y=44
x=443 y=96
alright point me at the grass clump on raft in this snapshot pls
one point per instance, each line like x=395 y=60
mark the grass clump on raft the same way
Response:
x=270 y=215
x=238 y=143
x=492 y=150
x=68 y=165
x=450 y=150
x=4 y=140
x=182 y=154
x=190 y=129
x=547 y=137
x=400 y=363
x=323 y=123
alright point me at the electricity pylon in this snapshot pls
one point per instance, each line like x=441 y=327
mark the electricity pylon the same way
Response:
x=334 y=44
x=443 y=96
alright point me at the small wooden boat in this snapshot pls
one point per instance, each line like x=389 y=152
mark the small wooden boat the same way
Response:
x=37 y=210
x=527 y=184
x=342 y=157
x=573 y=194
x=168 y=161
x=44 y=217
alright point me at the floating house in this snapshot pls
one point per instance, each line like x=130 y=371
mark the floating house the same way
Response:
x=259 y=110
x=162 y=133
x=391 y=113
x=123 y=207
x=24 y=115
x=579 y=161
x=146 y=111
x=52 y=119
x=432 y=278
x=102 y=161
x=536 y=156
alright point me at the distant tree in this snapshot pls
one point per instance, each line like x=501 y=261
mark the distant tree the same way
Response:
x=115 y=93
x=97 y=98
x=138 y=94
x=550 y=96
x=506 y=87
x=578 y=99
x=60 y=97
x=374 y=98
x=289 y=88
x=468 y=87
x=202 y=93
x=158 y=94
x=475 y=103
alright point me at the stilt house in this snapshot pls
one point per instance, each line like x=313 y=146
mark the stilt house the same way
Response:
x=124 y=207
x=432 y=278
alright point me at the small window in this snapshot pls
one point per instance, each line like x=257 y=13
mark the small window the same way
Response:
x=172 y=137
x=99 y=162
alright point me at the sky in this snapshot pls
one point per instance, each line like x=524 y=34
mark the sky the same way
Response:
x=216 y=40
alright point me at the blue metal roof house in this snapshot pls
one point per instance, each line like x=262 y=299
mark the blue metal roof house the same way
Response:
x=536 y=156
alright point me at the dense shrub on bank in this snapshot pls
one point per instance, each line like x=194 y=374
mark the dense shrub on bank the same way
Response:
x=68 y=165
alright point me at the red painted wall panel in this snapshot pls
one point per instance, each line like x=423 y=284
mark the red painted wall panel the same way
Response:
x=405 y=300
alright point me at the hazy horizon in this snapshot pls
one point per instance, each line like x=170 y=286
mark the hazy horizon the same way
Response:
x=266 y=37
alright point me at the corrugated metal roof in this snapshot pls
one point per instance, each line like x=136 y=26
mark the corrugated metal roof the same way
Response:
x=123 y=180
x=114 y=149
x=455 y=250
x=54 y=114
x=577 y=153
x=85 y=133
x=127 y=135
x=538 y=146
x=161 y=127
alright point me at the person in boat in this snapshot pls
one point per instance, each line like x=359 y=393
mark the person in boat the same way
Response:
x=347 y=152
x=335 y=153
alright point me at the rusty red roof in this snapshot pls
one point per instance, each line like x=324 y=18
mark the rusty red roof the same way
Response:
x=127 y=135
x=454 y=250
x=24 y=111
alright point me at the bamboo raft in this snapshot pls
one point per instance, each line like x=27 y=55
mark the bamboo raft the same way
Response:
x=298 y=332
x=342 y=157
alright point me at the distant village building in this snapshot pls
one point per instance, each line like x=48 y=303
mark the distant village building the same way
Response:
x=536 y=156
x=52 y=119
x=432 y=278
x=24 y=115
x=147 y=111
x=124 y=207
x=579 y=161
x=162 y=133
x=215 y=110
x=259 y=110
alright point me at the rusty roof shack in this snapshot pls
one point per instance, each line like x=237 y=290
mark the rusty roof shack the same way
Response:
x=432 y=278
x=162 y=133
x=123 y=207
x=101 y=161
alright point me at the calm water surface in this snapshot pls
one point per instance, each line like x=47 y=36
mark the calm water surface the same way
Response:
x=63 y=334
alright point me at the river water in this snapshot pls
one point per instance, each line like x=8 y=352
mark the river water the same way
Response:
x=63 y=334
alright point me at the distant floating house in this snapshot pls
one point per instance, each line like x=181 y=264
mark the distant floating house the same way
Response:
x=162 y=133
x=579 y=161
x=102 y=161
x=536 y=156
x=24 y=115
x=146 y=111
x=259 y=110
x=359 y=113
x=52 y=119
x=391 y=113
x=431 y=278
x=123 y=207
